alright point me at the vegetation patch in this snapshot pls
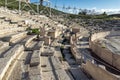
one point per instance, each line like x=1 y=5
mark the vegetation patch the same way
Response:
x=35 y=31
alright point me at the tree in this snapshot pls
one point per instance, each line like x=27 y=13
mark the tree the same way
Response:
x=104 y=13
x=41 y=2
x=83 y=12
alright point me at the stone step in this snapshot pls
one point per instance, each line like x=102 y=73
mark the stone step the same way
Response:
x=35 y=45
x=2 y=36
x=12 y=30
x=39 y=46
x=8 y=58
x=28 y=40
x=3 y=44
x=35 y=59
x=51 y=69
x=3 y=50
x=3 y=26
x=31 y=45
x=14 y=38
x=34 y=73
x=12 y=67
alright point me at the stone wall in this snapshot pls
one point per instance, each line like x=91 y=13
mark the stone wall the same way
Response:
x=104 y=34
x=97 y=72
x=74 y=50
x=116 y=61
x=99 y=35
x=103 y=52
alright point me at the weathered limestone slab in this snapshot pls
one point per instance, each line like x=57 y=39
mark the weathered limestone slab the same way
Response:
x=47 y=51
x=47 y=40
x=3 y=44
x=11 y=30
x=34 y=73
x=8 y=57
x=35 y=77
x=35 y=59
x=15 y=37
x=97 y=72
x=34 y=45
x=2 y=50
x=27 y=40
x=51 y=66
x=36 y=54
x=6 y=25
x=48 y=75
x=39 y=45
x=13 y=66
x=34 y=62
x=31 y=45
x=62 y=75
x=58 y=52
x=14 y=51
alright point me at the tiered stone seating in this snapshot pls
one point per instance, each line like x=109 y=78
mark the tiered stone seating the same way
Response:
x=30 y=64
x=13 y=30
x=12 y=33
x=7 y=26
x=15 y=37
x=7 y=59
x=51 y=66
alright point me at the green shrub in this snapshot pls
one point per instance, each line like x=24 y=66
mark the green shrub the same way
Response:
x=35 y=31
